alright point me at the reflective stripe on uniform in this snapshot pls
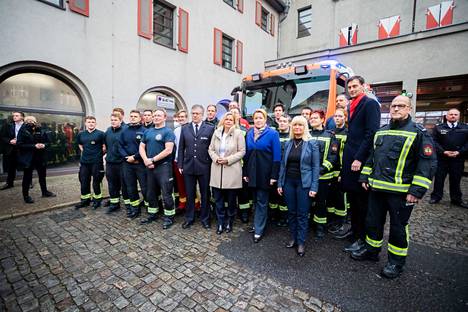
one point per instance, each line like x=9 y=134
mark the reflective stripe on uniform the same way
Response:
x=389 y=186
x=320 y=220
x=273 y=206
x=421 y=181
x=127 y=201
x=331 y=209
x=114 y=200
x=87 y=196
x=152 y=210
x=327 y=176
x=403 y=252
x=283 y=208
x=97 y=196
x=327 y=164
x=169 y=213
x=135 y=203
x=366 y=170
x=374 y=243
x=244 y=206
x=340 y=213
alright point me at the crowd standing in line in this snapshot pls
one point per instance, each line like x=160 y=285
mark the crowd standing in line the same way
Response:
x=306 y=173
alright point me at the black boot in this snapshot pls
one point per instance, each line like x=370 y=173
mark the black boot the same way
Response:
x=283 y=219
x=96 y=204
x=228 y=228
x=28 y=200
x=151 y=218
x=83 y=203
x=219 y=229
x=355 y=246
x=107 y=203
x=320 y=231
x=168 y=222
x=364 y=254
x=244 y=216
x=135 y=212
x=391 y=270
x=112 y=208
x=48 y=194
x=129 y=210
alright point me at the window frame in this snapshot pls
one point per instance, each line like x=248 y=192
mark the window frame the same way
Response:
x=172 y=9
x=232 y=40
x=267 y=21
x=299 y=11
x=59 y=6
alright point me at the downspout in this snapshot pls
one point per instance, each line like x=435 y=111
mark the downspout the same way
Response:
x=413 y=22
x=282 y=17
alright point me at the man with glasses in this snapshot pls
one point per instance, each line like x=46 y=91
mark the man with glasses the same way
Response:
x=10 y=153
x=398 y=173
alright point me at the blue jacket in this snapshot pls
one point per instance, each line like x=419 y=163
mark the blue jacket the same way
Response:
x=192 y=152
x=262 y=158
x=310 y=165
x=112 y=136
x=130 y=140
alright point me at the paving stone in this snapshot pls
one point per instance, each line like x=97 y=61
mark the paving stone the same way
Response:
x=121 y=302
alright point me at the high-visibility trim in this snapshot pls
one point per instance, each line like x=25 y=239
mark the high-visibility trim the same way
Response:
x=152 y=210
x=169 y=213
x=336 y=174
x=340 y=213
x=127 y=201
x=402 y=252
x=244 y=206
x=86 y=196
x=331 y=209
x=273 y=206
x=327 y=164
x=146 y=203
x=374 y=243
x=421 y=181
x=283 y=208
x=135 y=203
x=366 y=170
x=384 y=185
x=320 y=220
x=114 y=200
x=97 y=196
x=327 y=176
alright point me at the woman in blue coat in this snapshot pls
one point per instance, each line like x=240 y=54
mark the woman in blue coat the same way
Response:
x=261 y=167
x=298 y=180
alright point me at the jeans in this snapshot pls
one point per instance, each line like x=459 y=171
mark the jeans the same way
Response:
x=260 y=199
x=298 y=201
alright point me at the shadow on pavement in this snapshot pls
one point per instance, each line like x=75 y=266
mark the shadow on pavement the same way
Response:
x=434 y=280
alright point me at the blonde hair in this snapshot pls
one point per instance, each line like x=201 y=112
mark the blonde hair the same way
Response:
x=260 y=111
x=301 y=121
x=27 y=119
x=236 y=120
x=345 y=114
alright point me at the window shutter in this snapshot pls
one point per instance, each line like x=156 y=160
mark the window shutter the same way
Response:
x=239 y=56
x=272 y=25
x=389 y=27
x=353 y=35
x=446 y=13
x=217 y=46
x=79 y=6
x=183 y=30
x=145 y=16
x=432 y=16
x=343 y=37
x=240 y=5
x=258 y=13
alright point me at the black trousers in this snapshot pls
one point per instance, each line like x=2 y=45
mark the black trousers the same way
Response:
x=134 y=174
x=395 y=204
x=225 y=214
x=27 y=178
x=454 y=168
x=336 y=202
x=358 y=203
x=116 y=182
x=190 y=188
x=88 y=171
x=160 y=182
x=244 y=196
x=11 y=164
x=320 y=210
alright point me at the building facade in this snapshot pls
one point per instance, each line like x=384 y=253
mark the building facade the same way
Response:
x=419 y=46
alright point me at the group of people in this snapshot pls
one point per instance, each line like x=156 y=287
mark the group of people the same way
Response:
x=301 y=172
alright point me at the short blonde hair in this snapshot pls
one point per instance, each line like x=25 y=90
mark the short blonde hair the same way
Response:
x=300 y=120
x=236 y=120
x=260 y=111
x=27 y=119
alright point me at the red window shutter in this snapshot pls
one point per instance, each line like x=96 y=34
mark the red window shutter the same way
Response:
x=343 y=36
x=394 y=26
x=432 y=16
x=446 y=13
x=272 y=25
x=239 y=56
x=382 y=29
x=240 y=5
x=389 y=27
x=145 y=16
x=217 y=46
x=183 y=30
x=79 y=6
x=258 y=13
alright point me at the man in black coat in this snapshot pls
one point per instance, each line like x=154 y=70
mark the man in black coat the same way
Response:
x=10 y=154
x=363 y=122
x=32 y=143
x=194 y=162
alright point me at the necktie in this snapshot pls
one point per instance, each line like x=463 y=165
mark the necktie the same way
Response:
x=196 y=129
x=452 y=125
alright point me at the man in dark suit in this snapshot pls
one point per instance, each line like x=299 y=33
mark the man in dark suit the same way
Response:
x=364 y=120
x=8 y=139
x=195 y=164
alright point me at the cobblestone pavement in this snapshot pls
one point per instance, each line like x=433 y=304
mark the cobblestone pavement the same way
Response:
x=85 y=260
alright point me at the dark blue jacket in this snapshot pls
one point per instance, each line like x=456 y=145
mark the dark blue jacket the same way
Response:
x=262 y=158
x=130 y=141
x=192 y=153
x=28 y=154
x=310 y=165
x=361 y=129
x=112 y=137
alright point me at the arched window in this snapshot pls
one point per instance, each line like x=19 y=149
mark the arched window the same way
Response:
x=162 y=97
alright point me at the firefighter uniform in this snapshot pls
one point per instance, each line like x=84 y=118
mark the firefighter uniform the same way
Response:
x=328 y=147
x=278 y=208
x=336 y=201
x=114 y=168
x=91 y=166
x=402 y=162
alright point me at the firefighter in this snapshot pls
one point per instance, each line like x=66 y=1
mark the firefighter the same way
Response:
x=328 y=158
x=133 y=168
x=336 y=201
x=114 y=166
x=398 y=173
x=91 y=144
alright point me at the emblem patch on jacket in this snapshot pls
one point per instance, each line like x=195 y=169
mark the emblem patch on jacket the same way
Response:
x=428 y=150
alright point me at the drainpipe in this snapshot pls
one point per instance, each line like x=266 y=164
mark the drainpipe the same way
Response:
x=413 y=22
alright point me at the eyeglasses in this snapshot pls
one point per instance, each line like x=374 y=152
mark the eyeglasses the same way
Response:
x=399 y=106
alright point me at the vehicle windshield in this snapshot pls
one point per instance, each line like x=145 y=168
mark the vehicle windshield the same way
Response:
x=294 y=94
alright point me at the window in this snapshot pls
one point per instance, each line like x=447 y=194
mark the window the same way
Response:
x=389 y=27
x=163 y=21
x=439 y=15
x=227 y=52
x=348 y=35
x=304 y=22
x=230 y=2
x=56 y=3
x=239 y=4
x=264 y=24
